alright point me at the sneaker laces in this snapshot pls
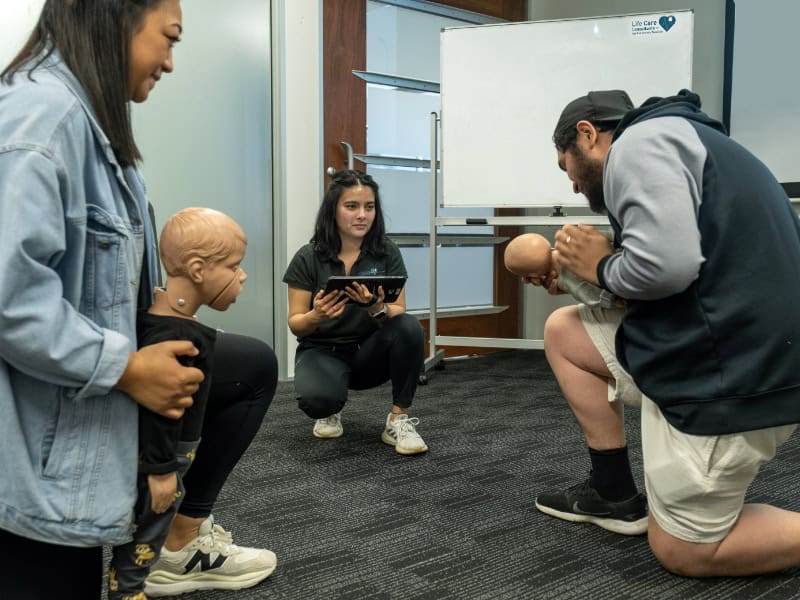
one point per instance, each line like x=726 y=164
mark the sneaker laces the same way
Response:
x=219 y=540
x=405 y=427
x=333 y=420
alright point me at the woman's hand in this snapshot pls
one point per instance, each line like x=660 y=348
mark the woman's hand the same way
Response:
x=324 y=307
x=377 y=306
x=361 y=294
x=328 y=306
x=157 y=381
x=163 y=491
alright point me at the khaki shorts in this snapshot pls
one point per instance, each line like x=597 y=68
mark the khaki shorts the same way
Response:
x=601 y=324
x=696 y=484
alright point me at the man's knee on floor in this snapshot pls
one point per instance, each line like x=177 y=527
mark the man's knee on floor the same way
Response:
x=687 y=559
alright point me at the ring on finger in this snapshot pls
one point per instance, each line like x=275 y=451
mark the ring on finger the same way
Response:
x=569 y=237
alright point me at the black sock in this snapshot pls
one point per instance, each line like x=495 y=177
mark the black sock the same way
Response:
x=611 y=474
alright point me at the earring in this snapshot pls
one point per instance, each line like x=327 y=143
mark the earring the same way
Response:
x=181 y=302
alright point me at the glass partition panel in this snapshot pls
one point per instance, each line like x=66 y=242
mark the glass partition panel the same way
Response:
x=404 y=42
x=206 y=141
x=460 y=274
x=399 y=121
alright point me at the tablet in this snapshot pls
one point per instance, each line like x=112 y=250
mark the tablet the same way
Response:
x=392 y=284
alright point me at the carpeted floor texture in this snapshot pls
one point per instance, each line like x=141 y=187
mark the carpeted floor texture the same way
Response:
x=351 y=519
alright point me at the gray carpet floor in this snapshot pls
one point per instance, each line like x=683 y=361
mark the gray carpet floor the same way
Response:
x=349 y=518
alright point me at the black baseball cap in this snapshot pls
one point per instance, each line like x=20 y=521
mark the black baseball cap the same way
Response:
x=596 y=107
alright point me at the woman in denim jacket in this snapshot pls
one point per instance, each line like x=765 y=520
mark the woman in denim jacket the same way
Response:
x=78 y=258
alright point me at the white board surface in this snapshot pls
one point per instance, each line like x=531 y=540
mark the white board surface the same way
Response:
x=504 y=86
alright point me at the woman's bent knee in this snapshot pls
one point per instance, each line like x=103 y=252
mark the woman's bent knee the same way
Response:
x=682 y=558
x=319 y=406
x=409 y=328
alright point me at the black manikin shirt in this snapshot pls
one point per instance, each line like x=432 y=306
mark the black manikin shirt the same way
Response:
x=159 y=436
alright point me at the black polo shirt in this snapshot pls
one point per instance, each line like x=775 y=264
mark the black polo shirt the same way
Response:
x=309 y=270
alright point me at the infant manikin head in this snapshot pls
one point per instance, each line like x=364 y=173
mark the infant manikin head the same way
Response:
x=529 y=256
x=202 y=250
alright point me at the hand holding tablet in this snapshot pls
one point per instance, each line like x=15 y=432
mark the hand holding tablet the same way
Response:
x=392 y=284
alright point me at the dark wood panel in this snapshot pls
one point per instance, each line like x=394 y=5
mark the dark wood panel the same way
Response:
x=344 y=44
x=511 y=10
x=506 y=285
x=491 y=326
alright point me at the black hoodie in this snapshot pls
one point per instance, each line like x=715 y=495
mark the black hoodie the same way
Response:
x=710 y=266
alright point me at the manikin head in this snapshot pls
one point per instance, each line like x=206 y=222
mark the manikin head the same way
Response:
x=202 y=250
x=529 y=256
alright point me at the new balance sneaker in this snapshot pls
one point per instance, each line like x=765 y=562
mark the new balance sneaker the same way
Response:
x=401 y=434
x=582 y=504
x=329 y=427
x=209 y=562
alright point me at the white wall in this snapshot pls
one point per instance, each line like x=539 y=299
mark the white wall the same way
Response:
x=765 y=110
x=297 y=145
x=17 y=18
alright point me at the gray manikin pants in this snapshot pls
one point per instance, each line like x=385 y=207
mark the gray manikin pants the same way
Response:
x=130 y=563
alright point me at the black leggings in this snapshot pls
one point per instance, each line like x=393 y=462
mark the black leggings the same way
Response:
x=243 y=382
x=31 y=570
x=396 y=351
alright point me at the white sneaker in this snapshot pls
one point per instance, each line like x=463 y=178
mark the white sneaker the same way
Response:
x=329 y=427
x=401 y=434
x=211 y=561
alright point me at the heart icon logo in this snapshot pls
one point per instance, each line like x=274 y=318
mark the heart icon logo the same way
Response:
x=667 y=22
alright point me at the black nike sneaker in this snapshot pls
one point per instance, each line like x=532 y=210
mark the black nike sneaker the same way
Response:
x=582 y=504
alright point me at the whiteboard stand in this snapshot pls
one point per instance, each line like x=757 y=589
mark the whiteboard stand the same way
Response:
x=435 y=357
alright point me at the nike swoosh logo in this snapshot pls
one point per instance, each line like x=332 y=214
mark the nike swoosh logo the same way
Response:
x=578 y=510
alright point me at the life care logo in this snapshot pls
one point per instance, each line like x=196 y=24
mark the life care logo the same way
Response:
x=651 y=26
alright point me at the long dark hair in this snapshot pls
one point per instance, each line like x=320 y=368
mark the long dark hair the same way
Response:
x=93 y=37
x=326 y=238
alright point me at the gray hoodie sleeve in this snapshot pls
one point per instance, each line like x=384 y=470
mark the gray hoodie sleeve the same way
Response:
x=653 y=188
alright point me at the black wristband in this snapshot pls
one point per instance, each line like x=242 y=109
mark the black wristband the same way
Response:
x=371 y=302
x=601 y=280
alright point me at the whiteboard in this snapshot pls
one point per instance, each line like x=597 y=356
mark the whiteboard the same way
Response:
x=503 y=88
x=765 y=93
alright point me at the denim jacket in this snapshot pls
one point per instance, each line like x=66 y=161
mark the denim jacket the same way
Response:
x=73 y=226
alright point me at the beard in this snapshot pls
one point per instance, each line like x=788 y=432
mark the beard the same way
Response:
x=590 y=175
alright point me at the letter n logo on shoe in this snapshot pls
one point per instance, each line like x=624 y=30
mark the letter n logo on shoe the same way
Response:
x=204 y=560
